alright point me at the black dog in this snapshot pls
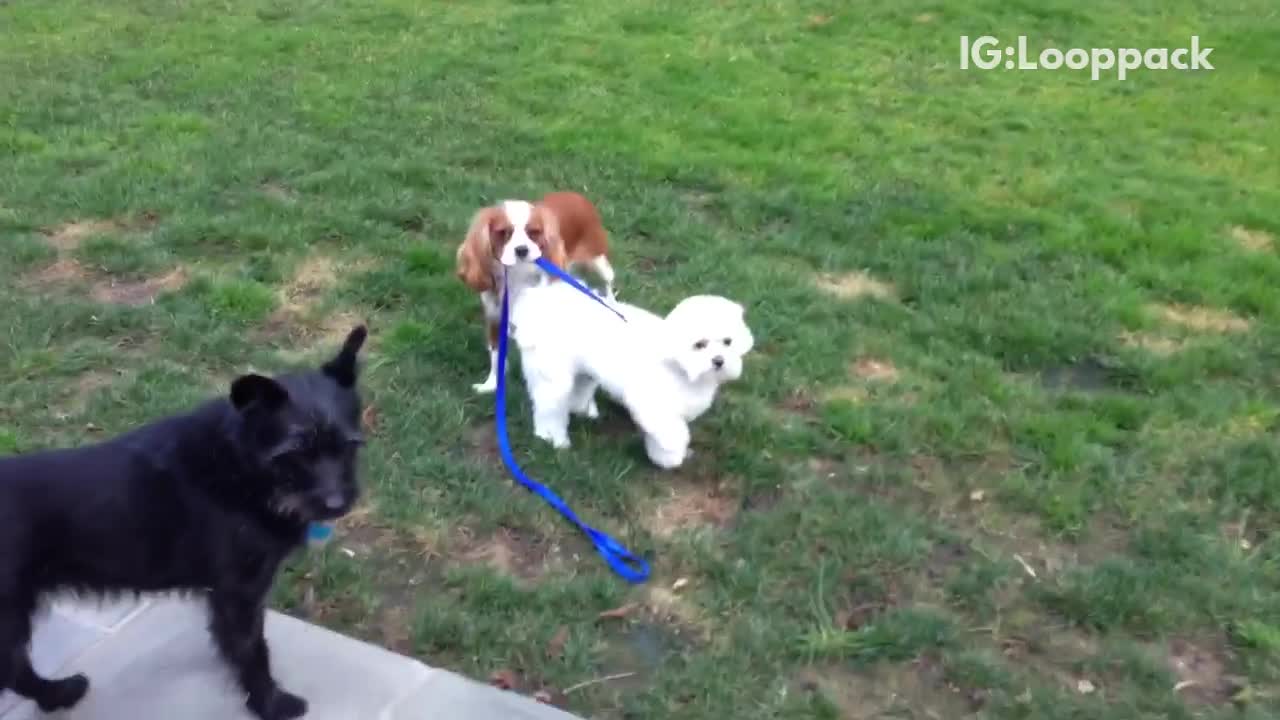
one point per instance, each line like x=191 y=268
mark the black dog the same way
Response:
x=208 y=502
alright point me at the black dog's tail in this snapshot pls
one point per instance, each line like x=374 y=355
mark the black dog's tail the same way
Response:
x=343 y=366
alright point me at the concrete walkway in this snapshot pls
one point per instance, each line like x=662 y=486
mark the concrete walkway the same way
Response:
x=155 y=660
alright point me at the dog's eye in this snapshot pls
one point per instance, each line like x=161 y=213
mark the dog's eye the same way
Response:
x=728 y=342
x=535 y=233
x=700 y=345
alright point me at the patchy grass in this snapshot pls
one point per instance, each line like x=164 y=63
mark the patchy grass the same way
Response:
x=1006 y=449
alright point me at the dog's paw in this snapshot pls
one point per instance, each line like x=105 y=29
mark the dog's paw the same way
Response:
x=63 y=694
x=279 y=705
x=558 y=441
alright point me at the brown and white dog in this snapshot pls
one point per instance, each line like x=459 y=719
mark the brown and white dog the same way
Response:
x=564 y=227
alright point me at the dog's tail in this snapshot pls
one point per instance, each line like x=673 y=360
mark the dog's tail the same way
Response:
x=342 y=367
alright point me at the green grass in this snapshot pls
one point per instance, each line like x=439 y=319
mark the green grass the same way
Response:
x=1053 y=481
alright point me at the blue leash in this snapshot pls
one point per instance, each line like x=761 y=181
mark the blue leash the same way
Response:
x=620 y=560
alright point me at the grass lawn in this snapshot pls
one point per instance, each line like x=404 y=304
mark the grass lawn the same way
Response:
x=1008 y=445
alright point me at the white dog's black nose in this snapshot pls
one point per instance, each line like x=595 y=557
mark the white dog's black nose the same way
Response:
x=522 y=252
x=717 y=361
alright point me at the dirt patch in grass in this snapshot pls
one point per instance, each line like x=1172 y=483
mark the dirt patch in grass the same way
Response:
x=796 y=409
x=306 y=338
x=847 y=393
x=279 y=192
x=875 y=370
x=701 y=202
x=958 y=495
x=854 y=285
x=866 y=372
x=68 y=236
x=944 y=558
x=917 y=689
x=83 y=389
x=312 y=279
x=1086 y=375
x=358 y=532
x=1053 y=652
x=294 y=320
x=481 y=443
x=1201 y=319
x=799 y=402
x=636 y=650
x=1201 y=669
x=63 y=271
x=1152 y=343
x=520 y=554
x=688 y=506
x=1251 y=239
x=675 y=610
x=395 y=629
x=1038 y=555
x=138 y=292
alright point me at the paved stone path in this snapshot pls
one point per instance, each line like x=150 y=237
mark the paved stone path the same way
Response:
x=155 y=660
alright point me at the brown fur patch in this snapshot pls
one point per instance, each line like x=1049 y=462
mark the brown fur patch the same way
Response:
x=688 y=506
x=1202 y=319
x=850 y=286
x=1251 y=239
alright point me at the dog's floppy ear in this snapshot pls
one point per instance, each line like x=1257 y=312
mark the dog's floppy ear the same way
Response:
x=553 y=242
x=342 y=367
x=259 y=391
x=475 y=254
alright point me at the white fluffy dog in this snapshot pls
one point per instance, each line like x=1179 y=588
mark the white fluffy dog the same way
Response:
x=665 y=371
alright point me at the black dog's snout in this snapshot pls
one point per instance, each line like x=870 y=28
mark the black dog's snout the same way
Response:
x=718 y=361
x=522 y=252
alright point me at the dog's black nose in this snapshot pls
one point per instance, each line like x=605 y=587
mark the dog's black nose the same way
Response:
x=718 y=361
x=522 y=252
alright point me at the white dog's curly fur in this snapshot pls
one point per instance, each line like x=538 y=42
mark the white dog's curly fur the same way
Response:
x=665 y=371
